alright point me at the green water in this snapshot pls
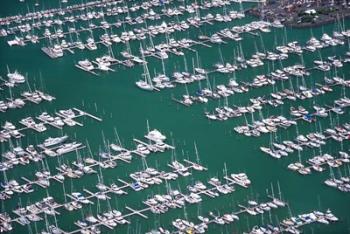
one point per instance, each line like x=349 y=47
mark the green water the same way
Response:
x=114 y=97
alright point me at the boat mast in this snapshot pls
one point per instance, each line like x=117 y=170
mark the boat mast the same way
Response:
x=197 y=154
x=272 y=192
x=225 y=170
x=64 y=193
x=279 y=190
x=117 y=136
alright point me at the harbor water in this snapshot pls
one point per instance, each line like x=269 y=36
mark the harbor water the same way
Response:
x=126 y=109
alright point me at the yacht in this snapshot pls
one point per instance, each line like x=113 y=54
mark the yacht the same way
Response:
x=144 y=85
x=86 y=64
x=241 y=179
x=68 y=147
x=8 y=126
x=54 y=141
x=156 y=136
x=16 y=77
x=91 y=45
x=69 y=113
x=57 y=51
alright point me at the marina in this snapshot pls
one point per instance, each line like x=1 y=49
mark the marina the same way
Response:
x=288 y=225
x=174 y=116
x=292 y=224
x=65 y=117
x=35 y=97
x=79 y=168
x=52 y=147
x=32 y=213
x=174 y=199
x=13 y=102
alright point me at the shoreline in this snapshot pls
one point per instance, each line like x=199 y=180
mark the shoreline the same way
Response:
x=256 y=13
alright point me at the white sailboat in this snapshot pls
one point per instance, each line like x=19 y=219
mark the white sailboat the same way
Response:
x=146 y=83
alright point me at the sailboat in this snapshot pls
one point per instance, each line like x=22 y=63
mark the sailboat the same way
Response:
x=145 y=84
x=162 y=80
x=197 y=165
